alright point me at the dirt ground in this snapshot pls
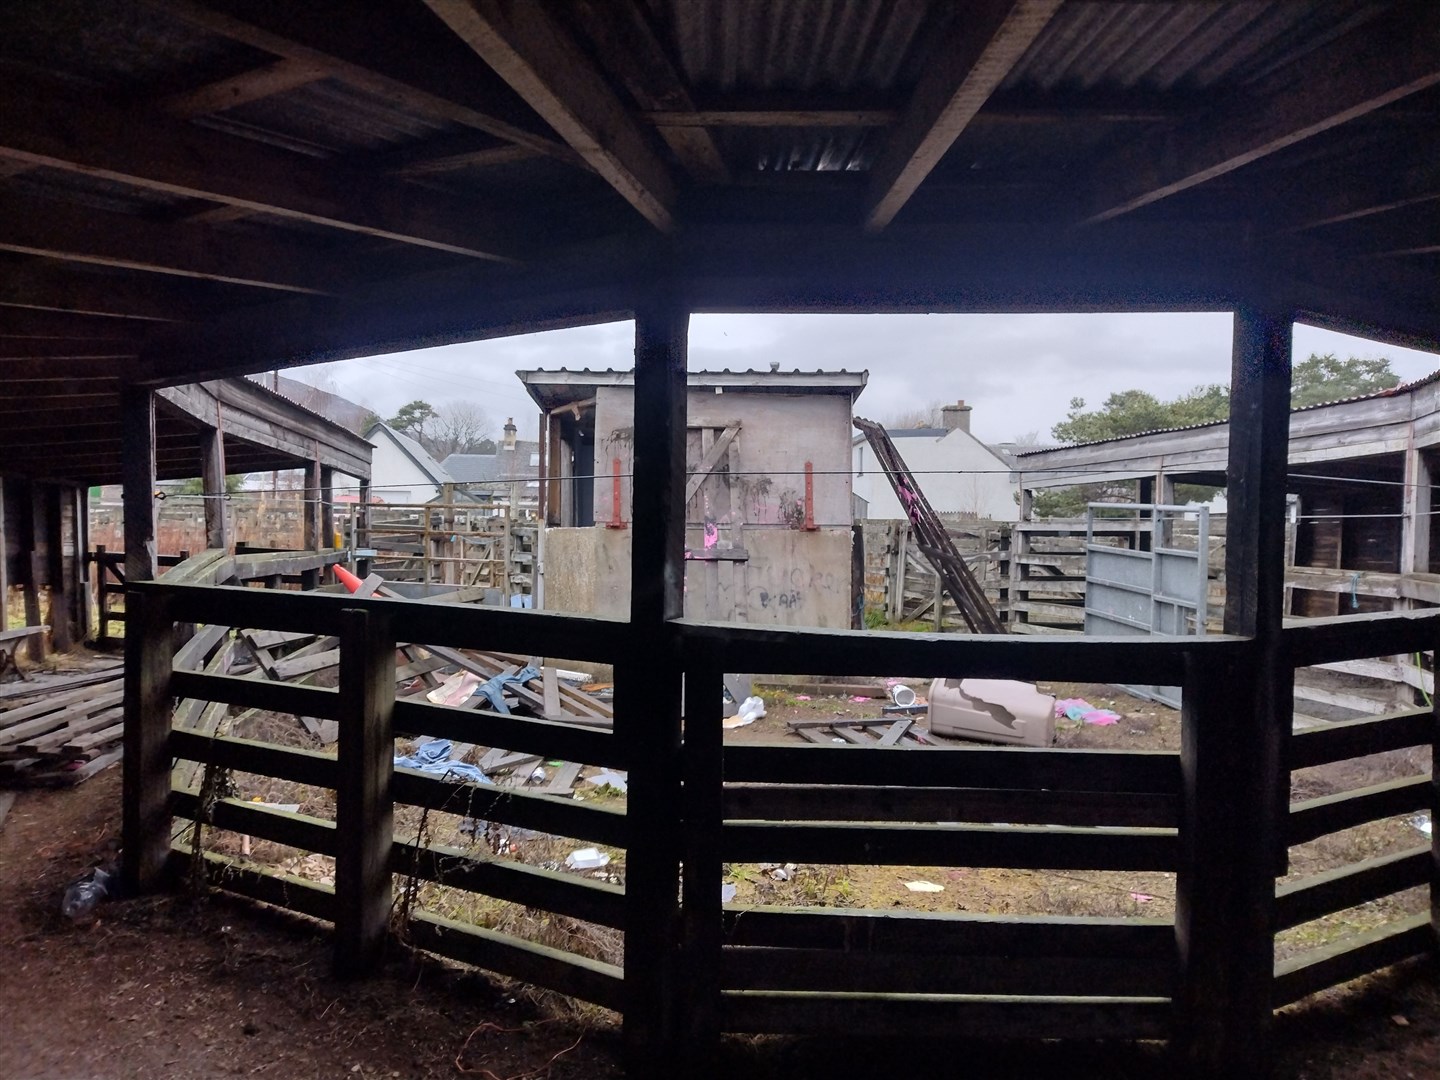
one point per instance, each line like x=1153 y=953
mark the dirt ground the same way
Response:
x=187 y=987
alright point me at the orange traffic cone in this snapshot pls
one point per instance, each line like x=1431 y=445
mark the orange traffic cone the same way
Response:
x=346 y=578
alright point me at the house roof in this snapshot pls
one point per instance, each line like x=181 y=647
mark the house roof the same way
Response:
x=552 y=389
x=432 y=469
x=502 y=466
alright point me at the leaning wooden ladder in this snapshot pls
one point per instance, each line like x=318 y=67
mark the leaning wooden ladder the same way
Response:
x=930 y=535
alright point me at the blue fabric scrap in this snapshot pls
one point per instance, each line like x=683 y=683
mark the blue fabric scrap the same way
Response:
x=494 y=689
x=433 y=757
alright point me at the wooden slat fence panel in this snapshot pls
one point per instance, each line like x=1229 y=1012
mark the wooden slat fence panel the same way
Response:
x=1017 y=847
x=1331 y=813
x=532 y=886
x=850 y=802
x=1356 y=738
x=923 y=1015
x=1352 y=957
x=577 y=976
x=543 y=813
x=1347 y=886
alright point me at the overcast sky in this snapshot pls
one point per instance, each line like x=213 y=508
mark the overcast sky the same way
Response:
x=1019 y=372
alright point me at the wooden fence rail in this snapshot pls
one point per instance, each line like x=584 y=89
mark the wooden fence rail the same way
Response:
x=1196 y=813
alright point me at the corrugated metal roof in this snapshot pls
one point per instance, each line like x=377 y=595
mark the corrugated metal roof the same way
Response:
x=1394 y=391
x=1187 y=46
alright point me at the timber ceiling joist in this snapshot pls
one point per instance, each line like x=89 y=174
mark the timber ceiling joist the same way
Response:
x=197 y=188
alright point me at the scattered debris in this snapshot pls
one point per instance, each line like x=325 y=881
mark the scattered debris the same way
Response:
x=1421 y=822
x=455 y=690
x=1141 y=898
x=859 y=699
x=1081 y=710
x=862 y=731
x=611 y=779
x=924 y=886
x=727 y=892
x=802 y=697
x=433 y=757
x=84 y=894
x=751 y=709
x=778 y=871
x=902 y=695
x=587 y=859
x=992 y=710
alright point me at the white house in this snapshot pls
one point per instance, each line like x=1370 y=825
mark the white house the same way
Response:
x=401 y=470
x=956 y=471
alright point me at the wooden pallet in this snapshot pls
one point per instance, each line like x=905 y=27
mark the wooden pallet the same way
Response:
x=886 y=731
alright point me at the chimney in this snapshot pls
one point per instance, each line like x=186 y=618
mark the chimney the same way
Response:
x=956 y=416
x=510 y=433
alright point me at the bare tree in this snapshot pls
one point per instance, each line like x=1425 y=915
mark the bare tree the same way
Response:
x=459 y=427
x=920 y=416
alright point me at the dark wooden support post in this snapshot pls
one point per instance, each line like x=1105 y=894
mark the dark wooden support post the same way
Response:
x=212 y=483
x=80 y=566
x=362 y=528
x=1234 y=725
x=313 y=529
x=4 y=562
x=704 y=778
x=62 y=607
x=145 y=825
x=102 y=598
x=647 y=706
x=363 y=811
x=31 y=552
x=137 y=408
x=327 y=507
x=1415 y=522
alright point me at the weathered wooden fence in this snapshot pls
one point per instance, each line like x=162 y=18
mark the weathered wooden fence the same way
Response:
x=1214 y=813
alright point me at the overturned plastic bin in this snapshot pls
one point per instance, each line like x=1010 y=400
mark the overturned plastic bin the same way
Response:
x=992 y=710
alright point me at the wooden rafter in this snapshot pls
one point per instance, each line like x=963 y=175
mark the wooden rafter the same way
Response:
x=1351 y=77
x=667 y=119
x=254 y=85
x=23 y=323
x=1389 y=191
x=628 y=46
x=73 y=234
x=985 y=43
x=406 y=61
x=44 y=125
x=530 y=52
x=47 y=288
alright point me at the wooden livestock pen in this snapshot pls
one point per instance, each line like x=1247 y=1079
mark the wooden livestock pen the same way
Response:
x=200 y=188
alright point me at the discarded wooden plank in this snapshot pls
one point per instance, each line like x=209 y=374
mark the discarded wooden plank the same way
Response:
x=563 y=782
x=897 y=729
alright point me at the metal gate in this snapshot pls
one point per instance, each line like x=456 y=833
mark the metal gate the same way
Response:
x=1160 y=591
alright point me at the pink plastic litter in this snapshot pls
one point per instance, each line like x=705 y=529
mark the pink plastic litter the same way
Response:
x=802 y=697
x=859 y=697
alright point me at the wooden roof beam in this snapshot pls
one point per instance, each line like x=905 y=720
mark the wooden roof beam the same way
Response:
x=404 y=60
x=1390 y=191
x=42 y=286
x=984 y=44
x=254 y=85
x=76 y=234
x=1350 y=77
x=629 y=47
x=668 y=120
x=529 y=51
x=21 y=323
x=44 y=125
